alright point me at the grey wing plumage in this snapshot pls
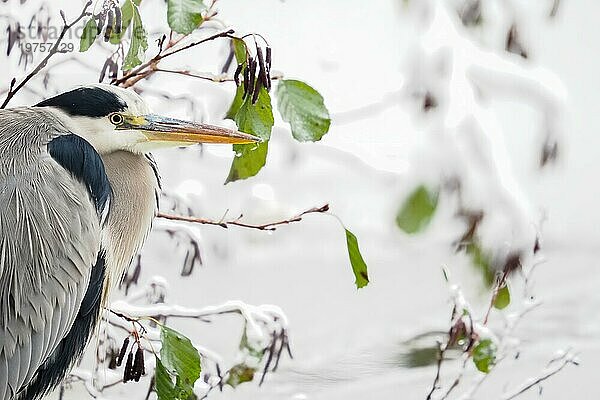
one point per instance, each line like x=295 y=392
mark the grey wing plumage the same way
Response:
x=49 y=244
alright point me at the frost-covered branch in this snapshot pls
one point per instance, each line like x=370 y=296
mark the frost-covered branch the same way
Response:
x=449 y=76
x=554 y=367
x=140 y=318
x=258 y=318
x=467 y=333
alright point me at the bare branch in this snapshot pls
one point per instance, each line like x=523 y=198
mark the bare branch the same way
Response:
x=438 y=370
x=149 y=67
x=206 y=76
x=271 y=226
x=228 y=34
x=567 y=359
x=54 y=50
x=500 y=283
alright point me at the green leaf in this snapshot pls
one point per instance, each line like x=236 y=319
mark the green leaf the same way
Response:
x=184 y=16
x=90 y=31
x=484 y=355
x=139 y=41
x=126 y=16
x=256 y=119
x=165 y=388
x=502 y=298
x=181 y=359
x=302 y=107
x=240 y=373
x=482 y=261
x=417 y=211
x=359 y=267
x=248 y=161
x=239 y=49
x=244 y=346
x=236 y=103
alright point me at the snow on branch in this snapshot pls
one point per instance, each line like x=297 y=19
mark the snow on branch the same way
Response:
x=554 y=367
x=260 y=319
x=451 y=77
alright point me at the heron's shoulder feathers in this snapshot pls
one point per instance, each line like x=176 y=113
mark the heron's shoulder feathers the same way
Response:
x=78 y=157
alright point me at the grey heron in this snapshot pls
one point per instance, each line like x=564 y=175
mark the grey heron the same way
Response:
x=78 y=192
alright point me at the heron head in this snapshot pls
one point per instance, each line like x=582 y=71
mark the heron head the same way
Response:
x=111 y=118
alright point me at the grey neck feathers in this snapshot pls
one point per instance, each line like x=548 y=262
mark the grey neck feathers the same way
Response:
x=132 y=208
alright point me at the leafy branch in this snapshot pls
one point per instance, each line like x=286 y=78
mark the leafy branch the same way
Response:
x=177 y=365
x=359 y=267
x=270 y=226
x=148 y=68
x=482 y=347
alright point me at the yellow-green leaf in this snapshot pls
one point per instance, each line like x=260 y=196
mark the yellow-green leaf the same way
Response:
x=236 y=103
x=502 y=298
x=90 y=31
x=139 y=41
x=239 y=374
x=359 y=267
x=239 y=49
x=417 y=211
x=482 y=261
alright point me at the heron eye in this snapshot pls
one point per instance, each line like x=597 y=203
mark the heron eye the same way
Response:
x=116 y=119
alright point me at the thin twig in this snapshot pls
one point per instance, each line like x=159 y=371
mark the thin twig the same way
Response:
x=228 y=34
x=149 y=67
x=499 y=285
x=567 y=359
x=121 y=315
x=443 y=347
x=438 y=370
x=14 y=88
x=218 y=78
x=206 y=76
x=457 y=380
x=270 y=226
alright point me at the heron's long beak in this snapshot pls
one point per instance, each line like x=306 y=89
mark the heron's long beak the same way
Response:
x=164 y=129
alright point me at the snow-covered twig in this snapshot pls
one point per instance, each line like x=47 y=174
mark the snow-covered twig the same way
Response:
x=94 y=384
x=263 y=340
x=259 y=318
x=450 y=76
x=554 y=367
